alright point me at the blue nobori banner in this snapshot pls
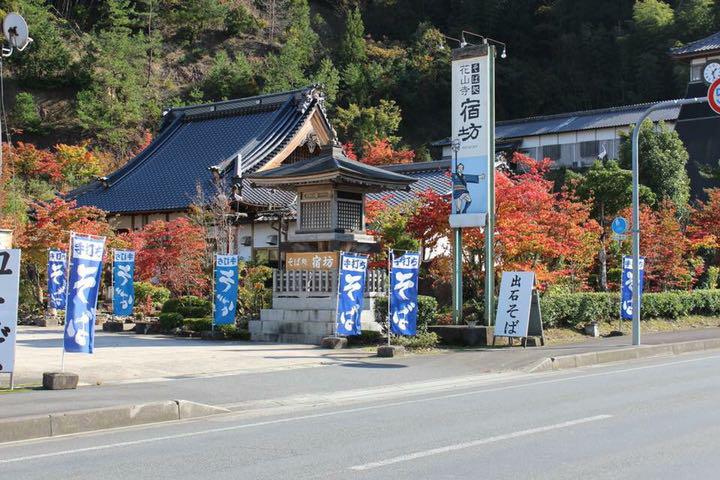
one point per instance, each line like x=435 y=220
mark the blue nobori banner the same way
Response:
x=626 y=300
x=226 y=289
x=123 y=284
x=351 y=292
x=57 y=279
x=404 y=293
x=86 y=255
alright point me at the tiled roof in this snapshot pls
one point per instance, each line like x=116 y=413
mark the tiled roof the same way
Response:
x=164 y=176
x=702 y=46
x=428 y=175
x=331 y=163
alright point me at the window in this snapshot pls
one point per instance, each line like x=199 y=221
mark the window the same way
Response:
x=589 y=149
x=551 y=151
x=266 y=256
x=696 y=73
x=315 y=215
x=350 y=216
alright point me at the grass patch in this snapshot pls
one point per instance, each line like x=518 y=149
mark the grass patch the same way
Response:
x=559 y=336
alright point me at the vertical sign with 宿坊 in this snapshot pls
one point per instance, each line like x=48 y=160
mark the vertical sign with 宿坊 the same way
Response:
x=471 y=133
x=514 y=301
x=404 y=293
x=86 y=256
x=626 y=300
x=9 y=288
x=351 y=293
x=226 y=289
x=57 y=279
x=123 y=286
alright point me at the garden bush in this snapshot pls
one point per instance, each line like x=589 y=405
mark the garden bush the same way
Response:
x=188 y=306
x=574 y=309
x=170 y=321
x=427 y=311
x=157 y=294
x=421 y=341
x=231 y=331
x=197 y=324
x=366 y=337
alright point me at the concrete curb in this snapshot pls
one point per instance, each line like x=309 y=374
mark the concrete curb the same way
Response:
x=623 y=354
x=66 y=423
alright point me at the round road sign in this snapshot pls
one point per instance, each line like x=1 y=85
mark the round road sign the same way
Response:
x=619 y=225
x=714 y=96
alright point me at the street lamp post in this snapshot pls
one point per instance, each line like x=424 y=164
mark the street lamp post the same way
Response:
x=636 y=207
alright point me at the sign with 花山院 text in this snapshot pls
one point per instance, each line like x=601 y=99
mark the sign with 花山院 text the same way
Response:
x=351 y=293
x=514 y=302
x=312 y=261
x=123 y=285
x=226 y=289
x=471 y=135
x=9 y=289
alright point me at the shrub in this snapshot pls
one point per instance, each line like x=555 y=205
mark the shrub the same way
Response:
x=197 y=324
x=240 y=20
x=421 y=341
x=170 y=321
x=157 y=294
x=188 y=306
x=427 y=311
x=231 y=331
x=366 y=337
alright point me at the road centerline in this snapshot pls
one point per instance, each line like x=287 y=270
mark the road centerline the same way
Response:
x=461 y=446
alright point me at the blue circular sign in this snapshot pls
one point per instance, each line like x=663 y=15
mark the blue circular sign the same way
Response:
x=619 y=225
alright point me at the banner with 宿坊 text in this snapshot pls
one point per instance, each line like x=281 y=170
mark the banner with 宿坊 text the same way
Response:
x=226 y=289
x=86 y=258
x=57 y=279
x=123 y=285
x=351 y=292
x=404 y=293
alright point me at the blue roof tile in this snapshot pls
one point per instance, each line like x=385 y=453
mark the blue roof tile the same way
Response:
x=702 y=46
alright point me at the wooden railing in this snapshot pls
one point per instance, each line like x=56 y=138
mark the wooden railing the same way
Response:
x=322 y=283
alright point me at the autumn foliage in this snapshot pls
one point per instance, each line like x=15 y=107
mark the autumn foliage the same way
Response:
x=171 y=254
x=380 y=152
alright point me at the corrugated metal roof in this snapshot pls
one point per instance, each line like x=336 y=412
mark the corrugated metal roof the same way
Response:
x=164 y=177
x=583 y=120
x=704 y=45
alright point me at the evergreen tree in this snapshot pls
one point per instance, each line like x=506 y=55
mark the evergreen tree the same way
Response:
x=352 y=46
x=663 y=161
x=361 y=125
x=328 y=76
x=229 y=79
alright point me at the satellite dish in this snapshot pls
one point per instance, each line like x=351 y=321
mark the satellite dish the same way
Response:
x=16 y=31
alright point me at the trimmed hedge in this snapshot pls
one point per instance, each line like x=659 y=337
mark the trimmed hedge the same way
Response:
x=156 y=293
x=573 y=309
x=170 y=321
x=197 y=324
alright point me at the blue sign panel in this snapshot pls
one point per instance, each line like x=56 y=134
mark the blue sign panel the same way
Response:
x=351 y=291
x=86 y=255
x=57 y=279
x=404 y=293
x=226 y=289
x=626 y=306
x=123 y=285
x=619 y=225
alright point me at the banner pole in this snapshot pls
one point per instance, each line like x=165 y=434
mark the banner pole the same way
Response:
x=212 y=293
x=389 y=293
x=68 y=266
x=337 y=294
x=12 y=381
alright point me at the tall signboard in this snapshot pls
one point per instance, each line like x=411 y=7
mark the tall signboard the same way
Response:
x=472 y=132
x=9 y=287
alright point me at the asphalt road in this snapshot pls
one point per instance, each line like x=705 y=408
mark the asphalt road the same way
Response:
x=651 y=419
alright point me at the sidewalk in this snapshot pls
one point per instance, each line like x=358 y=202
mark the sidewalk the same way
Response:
x=273 y=376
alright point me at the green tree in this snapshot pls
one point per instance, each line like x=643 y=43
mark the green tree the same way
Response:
x=695 y=18
x=192 y=17
x=112 y=107
x=47 y=60
x=352 y=45
x=328 y=76
x=663 y=160
x=289 y=68
x=229 y=78
x=25 y=113
x=364 y=124
x=609 y=189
